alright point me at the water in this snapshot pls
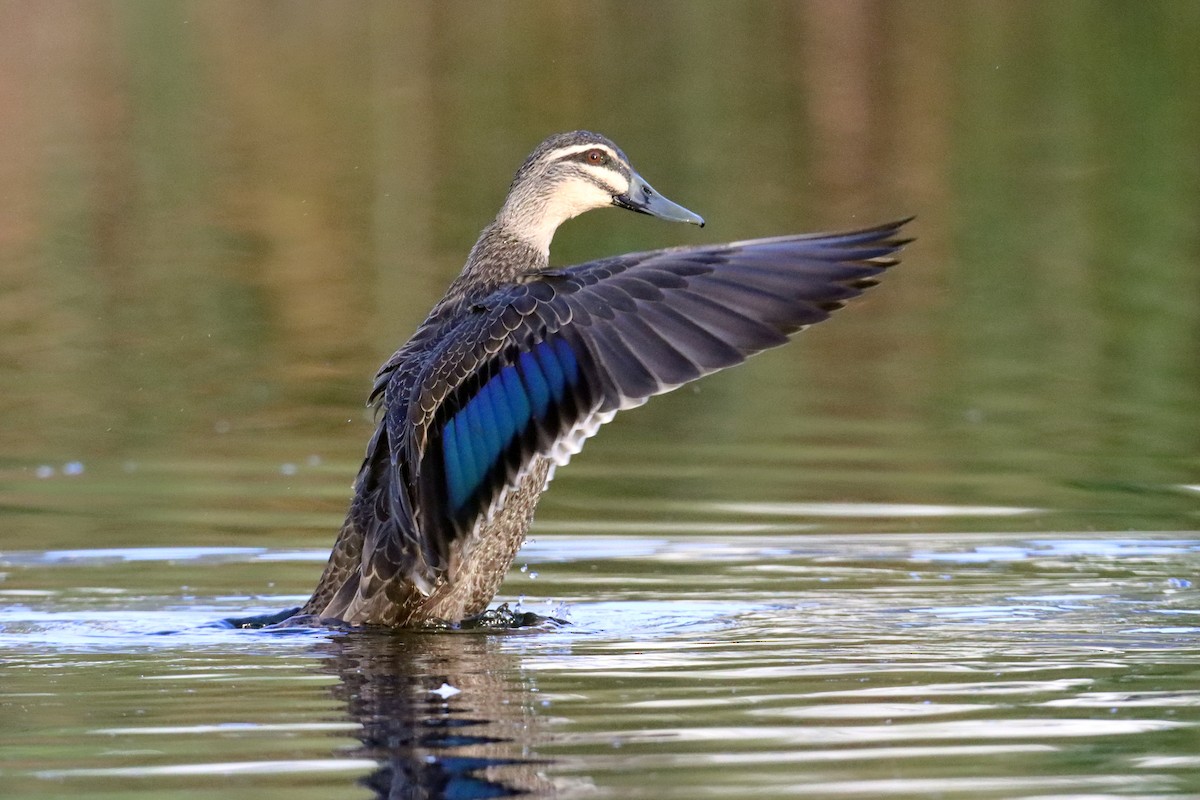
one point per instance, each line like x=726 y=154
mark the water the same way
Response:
x=690 y=665
x=946 y=544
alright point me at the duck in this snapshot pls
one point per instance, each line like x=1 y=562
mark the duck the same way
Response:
x=521 y=362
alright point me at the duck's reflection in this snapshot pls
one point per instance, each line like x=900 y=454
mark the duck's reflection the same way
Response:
x=446 y=715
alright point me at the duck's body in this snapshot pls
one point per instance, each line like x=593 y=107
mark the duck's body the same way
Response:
x=520 y=363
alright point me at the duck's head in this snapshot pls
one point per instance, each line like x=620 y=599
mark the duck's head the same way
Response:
x=570 y=173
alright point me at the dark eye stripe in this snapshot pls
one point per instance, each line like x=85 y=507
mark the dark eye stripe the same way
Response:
x=582 y=156
x=613 y=164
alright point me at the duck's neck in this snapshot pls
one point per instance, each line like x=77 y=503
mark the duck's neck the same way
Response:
x=501 y=255
x=531 y=219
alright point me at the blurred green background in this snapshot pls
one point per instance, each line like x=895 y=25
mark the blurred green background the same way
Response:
x=218 y=218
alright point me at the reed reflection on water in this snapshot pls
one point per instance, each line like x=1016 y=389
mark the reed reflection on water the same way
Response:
x=224 y=217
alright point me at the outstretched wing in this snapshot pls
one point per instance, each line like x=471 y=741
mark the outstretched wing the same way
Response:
x=539 y=365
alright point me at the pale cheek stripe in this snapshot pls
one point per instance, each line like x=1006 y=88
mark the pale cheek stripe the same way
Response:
x=602 y=177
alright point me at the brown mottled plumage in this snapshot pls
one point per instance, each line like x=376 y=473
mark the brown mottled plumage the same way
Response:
x=519 y=363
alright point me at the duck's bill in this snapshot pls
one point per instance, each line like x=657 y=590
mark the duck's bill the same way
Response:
x=642 y=198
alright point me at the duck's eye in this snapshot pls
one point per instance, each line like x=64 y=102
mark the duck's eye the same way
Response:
x=597 y=157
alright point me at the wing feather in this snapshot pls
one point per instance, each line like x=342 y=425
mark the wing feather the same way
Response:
x=536 y=367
